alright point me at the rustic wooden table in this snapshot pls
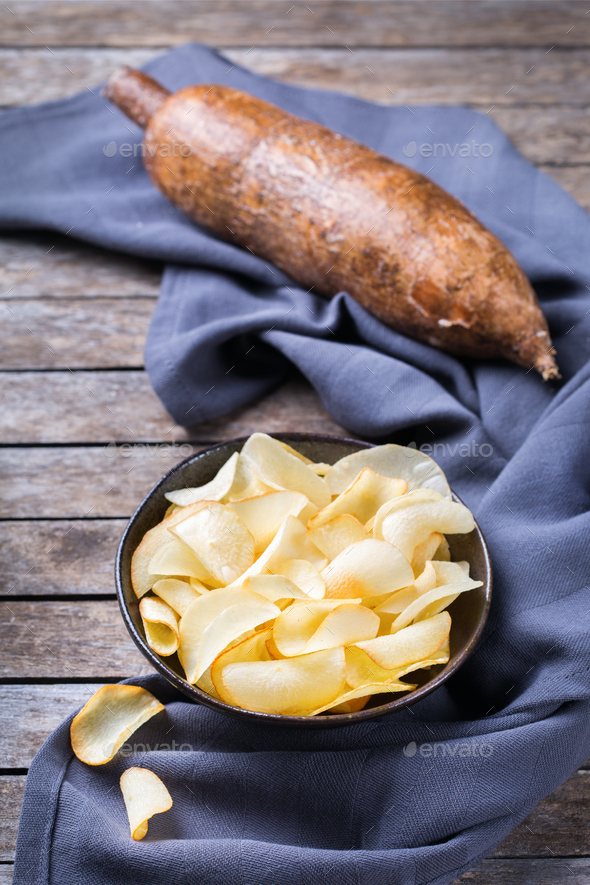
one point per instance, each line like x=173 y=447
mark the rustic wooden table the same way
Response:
x=75 y=318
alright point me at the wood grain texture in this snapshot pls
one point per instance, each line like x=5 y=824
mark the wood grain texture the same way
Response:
x=31 y=712
x=400 y=76
x=80 y=482
x=74 y=333
x=529 y=871
x=67 y=640
x=11 y=800
x=58 y=557
x=320 y=23
x=51 y=265
x=91 y=407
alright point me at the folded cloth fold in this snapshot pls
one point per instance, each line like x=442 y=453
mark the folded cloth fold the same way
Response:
x=418 y=796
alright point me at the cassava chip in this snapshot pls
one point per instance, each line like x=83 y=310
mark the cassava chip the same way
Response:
x=144 y=795
x=363 y=497
x=273 y=587
x=302 y=629
x=178 y=594
x=155 y=538
x=365 y=691
x=278 y=468
x=160 y=623
x=425 y=551
x=402 y=462
x=427 y=580
x=220 y=540
x=292 y=541
x=252 y=648
x=215 y=490
x=199 y=615
x=229 y=625
x=408 y=521
x=107 y=720
x=429 y=604
x=444 y=551
x=367 y=568
x=337 y=534
x=414 y=643
x=246 y=484
x=263 y=515
x=175 y=558
x=291 y=686
x=305 y=576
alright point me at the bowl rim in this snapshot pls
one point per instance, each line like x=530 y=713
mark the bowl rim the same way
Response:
x=322 y=720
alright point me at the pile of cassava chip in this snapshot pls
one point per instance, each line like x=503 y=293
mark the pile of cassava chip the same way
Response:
x=292 y=587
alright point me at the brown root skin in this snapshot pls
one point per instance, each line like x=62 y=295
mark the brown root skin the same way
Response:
x=136 y=94
x=335 y=215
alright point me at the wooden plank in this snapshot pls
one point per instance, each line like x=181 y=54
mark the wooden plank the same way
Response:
x=12 y=788
x=51 y=265
x=91 y=407
x=6 y=873
x=558 y=826
x=321 y=23
x=58 y=557
x=31 y=712
x=67 y=640
x=547 y=133
x=530 y=871
x=402 y=76
x=74 y=333
x=74 y=483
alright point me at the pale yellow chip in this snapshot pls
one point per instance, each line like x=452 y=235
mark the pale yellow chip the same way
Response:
x=292 y=541
x=178 y=594
x=353 y=705
x=144 y=795
x=155 y=538
x=361 y=669
x=305 y=576
x=246 y=484
x=414 y=643
x=220 y=540
x=293 y=451
x=176 y=558
x=427 y=580
x=365 y=691
x=337 y=534
x=391 y=460
x=160 y=623
x=408 y=521
x=108 y=719
x=425 y=552
x=430 y=604
x=229 y=626
x=444 y=551
x=305 y=628
x=216 y=490
x=367 y=568
x=278 y=468
x=197 y=618
x=291 y=686
x=450 y=572
x=273 y=587
x=263 y=515
x=199 y=587
x=320 y=467
x=363 y=498
x=251 y=648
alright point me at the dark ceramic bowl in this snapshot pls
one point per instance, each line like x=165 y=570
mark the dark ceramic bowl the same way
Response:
x=469 y=611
